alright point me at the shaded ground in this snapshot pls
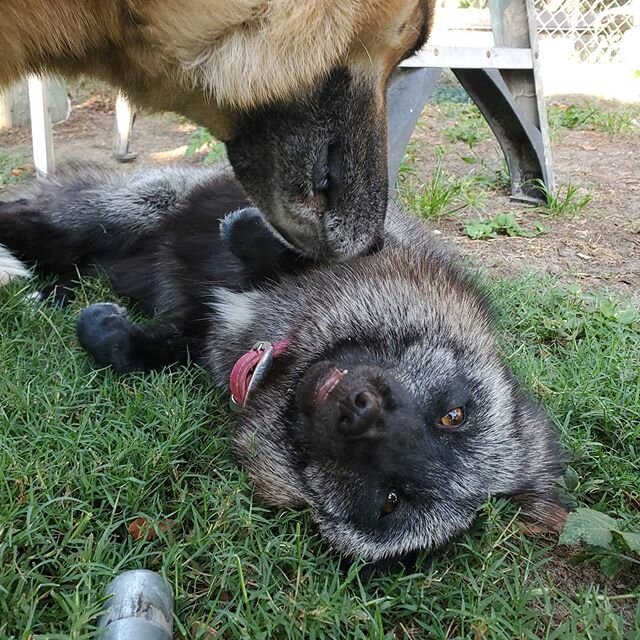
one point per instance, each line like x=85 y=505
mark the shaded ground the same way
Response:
x=87 y=136
x=599 y=245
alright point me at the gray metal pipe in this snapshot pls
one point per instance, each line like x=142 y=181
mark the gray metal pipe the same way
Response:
x=140 y=607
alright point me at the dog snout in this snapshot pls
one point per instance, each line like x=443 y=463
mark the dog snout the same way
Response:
x=359 y=411
x=327 y=174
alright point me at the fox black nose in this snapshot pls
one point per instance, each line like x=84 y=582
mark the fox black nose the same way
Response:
x=358 y=412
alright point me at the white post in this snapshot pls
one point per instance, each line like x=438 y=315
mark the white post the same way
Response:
x=6 y=116
x=124 y=122
x=41 y=134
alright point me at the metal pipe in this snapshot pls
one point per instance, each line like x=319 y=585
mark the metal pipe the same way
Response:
x=140 y=607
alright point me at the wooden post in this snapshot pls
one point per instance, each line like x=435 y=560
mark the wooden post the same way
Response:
x=42 y=138
x=513 y=24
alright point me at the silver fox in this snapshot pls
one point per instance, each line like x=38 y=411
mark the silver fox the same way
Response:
x=376 y=396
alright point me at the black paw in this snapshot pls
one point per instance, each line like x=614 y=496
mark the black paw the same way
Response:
x=243 y=223
x=256 y=244
x=104 y=330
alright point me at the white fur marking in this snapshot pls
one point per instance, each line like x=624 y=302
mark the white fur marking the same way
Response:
x=236 y=310
x=11 y=267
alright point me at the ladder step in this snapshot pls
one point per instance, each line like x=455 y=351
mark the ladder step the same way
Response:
x=471 y=58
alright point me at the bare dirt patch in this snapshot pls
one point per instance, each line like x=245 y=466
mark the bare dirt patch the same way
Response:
x=598 y=246
x=87 y=137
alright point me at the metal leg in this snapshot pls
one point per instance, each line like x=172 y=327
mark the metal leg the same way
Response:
x=521 y=141
x=513 y=23
x=409 y=90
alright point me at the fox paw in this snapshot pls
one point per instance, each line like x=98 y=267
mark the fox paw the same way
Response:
x=104 y=329
x=241 y=226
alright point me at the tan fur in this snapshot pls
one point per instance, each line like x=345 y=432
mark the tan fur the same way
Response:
x=207 y=59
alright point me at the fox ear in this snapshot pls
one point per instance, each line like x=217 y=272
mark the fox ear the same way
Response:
x=543 y=513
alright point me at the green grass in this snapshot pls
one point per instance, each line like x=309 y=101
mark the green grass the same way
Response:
x=201 y=141
x=83 y=452
x=11 y=170
x=580 y=354
x=443 y=194
x=614 y=121
x=439 y=197
x=568 y=199
x=469 y=125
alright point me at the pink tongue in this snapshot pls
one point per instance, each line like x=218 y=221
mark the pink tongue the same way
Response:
x=241 y=373
x=328 y=384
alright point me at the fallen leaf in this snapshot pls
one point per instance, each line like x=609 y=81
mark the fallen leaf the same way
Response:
x=479 y=630
x=138 y=528
x=22 y=169
x=141 y=528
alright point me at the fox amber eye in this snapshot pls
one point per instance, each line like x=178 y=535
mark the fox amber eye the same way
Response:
x=453 y=418
x=390 y=503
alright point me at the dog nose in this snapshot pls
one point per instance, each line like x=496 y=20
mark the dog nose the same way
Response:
x=358 y=412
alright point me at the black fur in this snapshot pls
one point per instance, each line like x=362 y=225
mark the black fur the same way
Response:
x=381 y=351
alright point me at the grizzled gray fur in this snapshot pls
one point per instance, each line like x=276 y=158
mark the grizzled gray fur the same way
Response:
x=390 y=414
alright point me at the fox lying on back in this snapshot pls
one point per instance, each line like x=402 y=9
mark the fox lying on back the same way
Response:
x=378 y=396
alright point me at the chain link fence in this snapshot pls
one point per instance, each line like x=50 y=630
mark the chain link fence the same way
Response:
x=590 y=31
x=580 y=31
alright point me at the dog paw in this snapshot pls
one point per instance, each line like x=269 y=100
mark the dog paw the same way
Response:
x=104 y=330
